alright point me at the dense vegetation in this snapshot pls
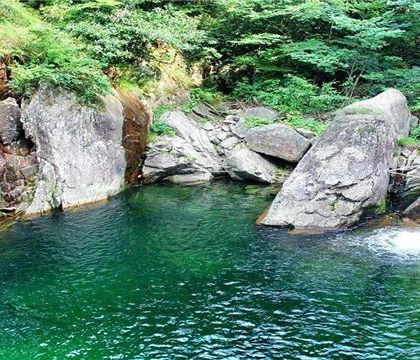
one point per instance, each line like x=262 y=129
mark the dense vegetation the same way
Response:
x=298 y=56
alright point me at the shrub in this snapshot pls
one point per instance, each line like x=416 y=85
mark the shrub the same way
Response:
x=209 y=96
x=159 y=129
x=409 y=141
x=252 y=122
x=293 y=94
x=296 y=120
x=159 y=110
x=38 y=54
x=413 y=140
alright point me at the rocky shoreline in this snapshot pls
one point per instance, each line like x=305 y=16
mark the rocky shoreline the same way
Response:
x=57 y=154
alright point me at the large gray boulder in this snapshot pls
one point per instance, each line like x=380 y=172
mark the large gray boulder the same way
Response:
x=390 y=105
x=81 y=159
x=261 y=112
x=10 y=124
x=279 y=141
x=187 y=158
x=245 y=164
x=346 y=172
x=188 y=130
x=175 y=160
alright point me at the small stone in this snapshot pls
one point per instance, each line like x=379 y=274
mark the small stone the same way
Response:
x=233 y=111
x=401 y=161
x=306 y=133
x=240 y=129
x=222 y=136
x=414 y=121
x=412 y=158
x=10 y=124
x=14 y=194
x=29 y=171
x=214 y=140
x=406 y=152
x=225 y=128
x=231 y=119
x=5 y=186
x=208 y=127
x=190 y=179
x=229 y=143
x=20 y=182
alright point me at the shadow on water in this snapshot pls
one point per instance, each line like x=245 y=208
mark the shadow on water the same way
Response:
x=183 y=272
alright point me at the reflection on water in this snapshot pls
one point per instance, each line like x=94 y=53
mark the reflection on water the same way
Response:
x=183 y=272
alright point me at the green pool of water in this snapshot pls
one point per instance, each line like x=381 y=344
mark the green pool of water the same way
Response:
x=183 y=273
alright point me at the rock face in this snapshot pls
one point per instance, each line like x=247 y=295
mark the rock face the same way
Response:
x=196 y=136
x=175 y=160
x=346 y=172
x=245 y=164
x=137 y=119
x=405 y=179
x=79 y=151
x=188 y=157
x=18 y=167
x=10 y=125
x=413 y=211
x=390 y=105
x=279 y=141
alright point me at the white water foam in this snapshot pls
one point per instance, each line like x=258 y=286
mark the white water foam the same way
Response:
x=396 y=240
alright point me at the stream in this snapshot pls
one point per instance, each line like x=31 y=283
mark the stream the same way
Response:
x=171 y=272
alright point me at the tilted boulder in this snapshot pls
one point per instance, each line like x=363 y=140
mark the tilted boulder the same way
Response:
x=279 y=141
x=189 y=157
x=175 y=160
x=245 y=164
x=189 y=130
x=346 y=172
x=81 y=159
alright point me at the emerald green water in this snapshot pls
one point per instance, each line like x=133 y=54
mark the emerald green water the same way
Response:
x=183 y=273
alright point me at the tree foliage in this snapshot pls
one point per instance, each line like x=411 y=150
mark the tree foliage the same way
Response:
x=295 y=55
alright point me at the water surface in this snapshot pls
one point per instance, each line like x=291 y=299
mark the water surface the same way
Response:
x=183 y=273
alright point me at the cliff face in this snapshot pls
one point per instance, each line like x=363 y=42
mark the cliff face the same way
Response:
x=79 y=150
x=18 y=165
x=137 y=119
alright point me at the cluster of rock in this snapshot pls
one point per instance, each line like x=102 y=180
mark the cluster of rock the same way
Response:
x=404 y=188
x=201 y=152
x=338 y=179
x=18 y=165
x=56 y=153
x=347 y=173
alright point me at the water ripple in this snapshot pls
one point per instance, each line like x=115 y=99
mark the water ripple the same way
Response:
x=183 y=273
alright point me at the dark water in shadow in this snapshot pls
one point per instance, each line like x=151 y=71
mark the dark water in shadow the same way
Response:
x=183 y=273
